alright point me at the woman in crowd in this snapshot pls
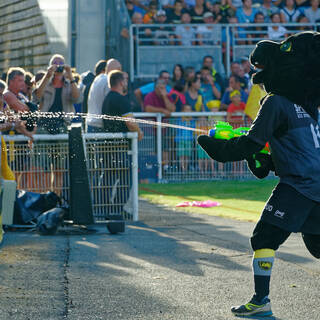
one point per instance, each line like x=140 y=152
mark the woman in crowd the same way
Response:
x=193 y=96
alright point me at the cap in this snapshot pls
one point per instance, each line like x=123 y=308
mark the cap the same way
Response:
x=208 y=15
x=234 y=93
x=160 y=13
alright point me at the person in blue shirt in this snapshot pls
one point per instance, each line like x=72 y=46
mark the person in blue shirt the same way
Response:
x=245 y=14
x=141 y=92
x=210 y=90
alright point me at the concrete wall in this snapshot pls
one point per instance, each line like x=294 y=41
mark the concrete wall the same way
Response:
x=90 y=33
x=23 y=38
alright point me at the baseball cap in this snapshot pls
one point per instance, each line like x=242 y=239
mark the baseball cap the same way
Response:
x=234 y=93
x=160 y=13
x=208 y=15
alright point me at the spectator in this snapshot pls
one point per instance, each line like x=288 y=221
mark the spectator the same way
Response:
x=237 y=3
x=257 y=33
x=189 y=74
x=313 y=12
x=12 y=95
x=177 y=96
x=245 y=14
x=247 y=69
x=233 y=36
x=87 y=80
x=177 y=75
x=152 y=10
x=57 y=92
x=98 y=91
x=185 y=34
x=158 y=100
x=189 y=4
x=208 y=61
x=235 y=107
x=193 y=96
x=116 y=104
x=28 y=85
x=118 y=175
x=210 y=89
x=208 y=35
x=184 y=139
x=303 y=3
x=289 y=13
x=227 y=10
x=203 y=159
x=162 y=34
x=234 y=84
x=167 y=4
x=303 y=20
x=141 y=92
x=174 y=15
x=3 y=86
x=133 y=8
x=198 y=11
x=236 y=69
x=267 y=9
x=276 y=32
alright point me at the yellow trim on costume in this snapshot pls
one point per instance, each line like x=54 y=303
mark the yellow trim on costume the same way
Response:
x=264 y=253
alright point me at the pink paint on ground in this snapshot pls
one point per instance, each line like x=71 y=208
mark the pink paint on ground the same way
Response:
x=201 y=204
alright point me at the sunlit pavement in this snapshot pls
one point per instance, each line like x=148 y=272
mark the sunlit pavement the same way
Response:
x=169 y=265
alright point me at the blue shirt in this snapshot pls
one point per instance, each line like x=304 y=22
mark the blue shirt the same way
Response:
x=149 y=87
x=294 y=139
x=182 y=134
x=207 y=92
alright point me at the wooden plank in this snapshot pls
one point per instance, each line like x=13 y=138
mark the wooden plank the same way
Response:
x=23 y=43
x=17 y=6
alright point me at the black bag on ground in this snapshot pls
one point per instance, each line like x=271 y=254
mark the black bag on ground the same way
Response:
x=49 y=221
x=30 y=205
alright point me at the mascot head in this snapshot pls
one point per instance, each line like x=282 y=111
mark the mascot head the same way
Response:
x=291 y=68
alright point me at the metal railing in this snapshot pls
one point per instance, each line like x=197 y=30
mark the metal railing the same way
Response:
x=159 y=47
x=171 y=154
x=112 y=162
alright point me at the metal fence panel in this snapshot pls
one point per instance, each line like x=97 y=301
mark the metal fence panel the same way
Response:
x=111 y=162
x=181 y=158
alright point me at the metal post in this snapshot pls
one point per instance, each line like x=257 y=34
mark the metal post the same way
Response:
x=159 y=146
x=131 y=53
x=73 y=32
x=135 y=178
x=228 y=49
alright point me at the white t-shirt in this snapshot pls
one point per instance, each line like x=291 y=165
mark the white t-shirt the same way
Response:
x=312 y=15
x=278 y=34
x=98 y=91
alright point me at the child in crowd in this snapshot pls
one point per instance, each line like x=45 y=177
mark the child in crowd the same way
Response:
x=204 y=161
x=184 y=139
x=235 y=107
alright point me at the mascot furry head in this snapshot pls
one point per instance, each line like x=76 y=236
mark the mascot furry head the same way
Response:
x=291 y=68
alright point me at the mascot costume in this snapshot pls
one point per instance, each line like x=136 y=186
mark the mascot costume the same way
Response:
x=288 y=121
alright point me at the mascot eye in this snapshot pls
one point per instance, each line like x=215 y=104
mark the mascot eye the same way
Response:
x=286 y=46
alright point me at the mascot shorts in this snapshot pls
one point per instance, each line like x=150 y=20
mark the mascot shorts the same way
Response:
x=291 y=211
x=268 y=236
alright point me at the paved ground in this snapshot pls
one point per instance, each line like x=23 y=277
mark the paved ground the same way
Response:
x=171 y=265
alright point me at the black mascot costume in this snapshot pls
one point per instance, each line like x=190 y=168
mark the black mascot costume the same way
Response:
x=288 y=120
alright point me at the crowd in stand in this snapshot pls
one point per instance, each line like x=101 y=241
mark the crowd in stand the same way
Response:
x=214 y=12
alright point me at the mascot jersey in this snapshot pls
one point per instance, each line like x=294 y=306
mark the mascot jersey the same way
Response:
x=294 y=139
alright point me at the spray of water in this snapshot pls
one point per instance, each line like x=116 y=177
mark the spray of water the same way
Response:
x=71 y=116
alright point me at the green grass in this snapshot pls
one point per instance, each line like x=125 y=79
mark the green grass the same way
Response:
x=242 y=200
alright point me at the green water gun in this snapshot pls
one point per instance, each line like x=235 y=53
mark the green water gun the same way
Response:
x=223 y=130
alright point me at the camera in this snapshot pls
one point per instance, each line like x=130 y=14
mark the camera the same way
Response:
x=60 y=69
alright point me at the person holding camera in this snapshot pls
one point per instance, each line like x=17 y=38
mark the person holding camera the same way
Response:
x=57 y=92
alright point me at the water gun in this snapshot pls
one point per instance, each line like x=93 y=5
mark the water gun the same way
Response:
x=224 y=130
x=260 y=163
